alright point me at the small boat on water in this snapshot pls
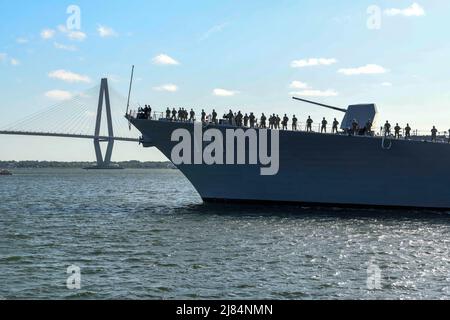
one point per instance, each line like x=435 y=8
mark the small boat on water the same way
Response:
x=5 y=173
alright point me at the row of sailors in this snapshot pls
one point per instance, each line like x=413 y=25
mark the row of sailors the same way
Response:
x=275 y=122
x=247 y=120
x=145 y=113
x=184 y=116
x=407 y=131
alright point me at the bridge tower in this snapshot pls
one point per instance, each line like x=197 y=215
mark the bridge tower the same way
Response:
x=103 y=99
x=104 y=104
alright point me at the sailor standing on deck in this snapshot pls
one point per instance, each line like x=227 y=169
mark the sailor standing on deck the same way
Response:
x=174 y=114
x=397 y=131
x=203 y=116
x=230 y=117
x=309 y=123
x=263 y=121
x=355 y=126
x=407 y=131
x=294 y=123
x=271 y=122
x=145 y=112
x=369 y=128
x=433 y=134
x=192 y=116
x=239 y=118
x=324 y=126
x=285 y=122
x=252 y=120
x=276 y=122
x=214 y=116
x=387 y=128
x=246 y=118
x=335 y=126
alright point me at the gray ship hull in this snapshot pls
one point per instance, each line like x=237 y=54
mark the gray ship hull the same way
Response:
x=323 y=169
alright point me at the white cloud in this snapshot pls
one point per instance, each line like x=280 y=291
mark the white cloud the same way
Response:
x=47 y=34
x=164 y=59
x=76 y=35
x=167 y=87
x=105 y=32
x=415 y=10
x=224 y=93
x=84 y=95
x=304 y=90
x=312 y=62
x=64 y=47
x=386 y=84
x=315 y=93
x=216 y=29
x=22 y=40
x=298 y=85
x=59 y=95
x=14 y=62
x=68 y=76
x=72 y=35
x=367 y=69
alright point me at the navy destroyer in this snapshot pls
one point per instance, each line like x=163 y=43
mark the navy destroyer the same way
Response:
x=317 y=169
x=354 y=168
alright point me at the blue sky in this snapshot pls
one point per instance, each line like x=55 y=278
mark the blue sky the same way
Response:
x=249 y=55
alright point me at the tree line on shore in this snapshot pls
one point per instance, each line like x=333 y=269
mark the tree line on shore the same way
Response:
x=80 y=164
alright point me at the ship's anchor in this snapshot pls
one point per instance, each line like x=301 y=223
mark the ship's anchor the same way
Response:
x=383 y=142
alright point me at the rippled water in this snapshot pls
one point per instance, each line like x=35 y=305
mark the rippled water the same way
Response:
x=145 y=234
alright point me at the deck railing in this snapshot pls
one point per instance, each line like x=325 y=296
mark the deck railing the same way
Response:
x=424 y=135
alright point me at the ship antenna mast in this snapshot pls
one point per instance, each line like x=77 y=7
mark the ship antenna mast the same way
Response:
x=129 y=94
x=129 y=91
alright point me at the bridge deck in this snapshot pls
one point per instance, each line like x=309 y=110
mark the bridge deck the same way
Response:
x=64 y=135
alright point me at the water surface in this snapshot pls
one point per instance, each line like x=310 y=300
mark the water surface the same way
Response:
x=145 y=234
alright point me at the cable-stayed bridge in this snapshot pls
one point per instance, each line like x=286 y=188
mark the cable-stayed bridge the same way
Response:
x=96 y=114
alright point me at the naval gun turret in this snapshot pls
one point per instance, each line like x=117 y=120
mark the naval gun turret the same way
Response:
x=362 y=113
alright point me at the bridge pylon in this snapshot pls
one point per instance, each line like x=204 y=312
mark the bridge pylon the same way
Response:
x=103 y=99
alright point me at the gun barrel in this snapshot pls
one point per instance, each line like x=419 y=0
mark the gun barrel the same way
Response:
x=321 y=104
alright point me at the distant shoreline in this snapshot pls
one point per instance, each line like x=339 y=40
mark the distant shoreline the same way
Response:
x=82 y=164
